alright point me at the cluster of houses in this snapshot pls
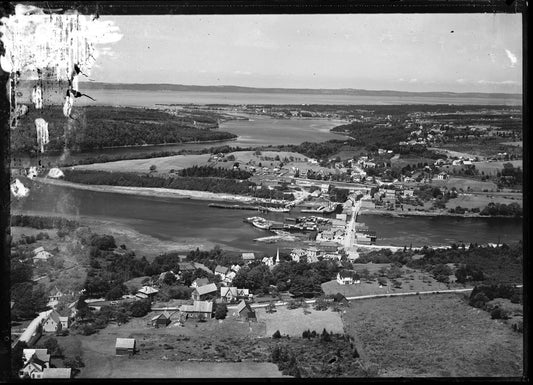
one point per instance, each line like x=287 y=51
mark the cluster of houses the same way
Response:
x=36 y=365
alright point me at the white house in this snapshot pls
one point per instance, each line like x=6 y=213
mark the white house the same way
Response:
x=348 y=277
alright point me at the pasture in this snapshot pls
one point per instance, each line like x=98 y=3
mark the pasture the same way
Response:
x=433 y=335
x=294 y=322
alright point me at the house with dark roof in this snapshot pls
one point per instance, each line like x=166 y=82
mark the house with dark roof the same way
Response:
x=204 y=292
x=245 y=312
x=125 y=346
x=161 y=320
x=198 y=308
x=52 y=323
x=34 y=362
x=348 y=277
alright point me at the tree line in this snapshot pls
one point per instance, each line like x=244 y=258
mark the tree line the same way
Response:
x=210 y=184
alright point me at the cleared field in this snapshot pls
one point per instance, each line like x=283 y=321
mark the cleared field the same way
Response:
x=481 y=201
x=294 y=322
x=122 y=367
x=433 y=335
x=163 y=165
x=410 y=282
x=266 y=157
x=464 y=183
x=491 y=168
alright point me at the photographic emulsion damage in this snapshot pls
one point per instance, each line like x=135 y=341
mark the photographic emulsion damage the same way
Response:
x=272 y=193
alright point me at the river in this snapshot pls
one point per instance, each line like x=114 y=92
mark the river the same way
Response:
x=190 y=220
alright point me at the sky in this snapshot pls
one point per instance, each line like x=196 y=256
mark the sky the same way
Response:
x=405 y=52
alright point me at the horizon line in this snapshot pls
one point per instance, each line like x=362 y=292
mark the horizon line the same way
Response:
x=520 y=94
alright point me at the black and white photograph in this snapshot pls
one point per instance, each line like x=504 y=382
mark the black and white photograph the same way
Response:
x=269 y=194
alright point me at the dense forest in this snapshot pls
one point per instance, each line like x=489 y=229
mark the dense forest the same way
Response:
x=210 y=184
x=97 y=127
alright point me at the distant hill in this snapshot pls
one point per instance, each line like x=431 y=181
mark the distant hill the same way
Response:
x=340 y=91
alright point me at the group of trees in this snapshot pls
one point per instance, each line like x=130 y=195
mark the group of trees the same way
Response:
x=215 y=185
x=39 y=222
x=218 y=172
x=502 y=209
x=109 y=126
x=286 y=360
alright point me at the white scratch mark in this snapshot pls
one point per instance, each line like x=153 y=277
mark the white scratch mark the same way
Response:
x=34 y=40
x=19 y=190
x=41 y=126
x=55 y=173
x=512 y=57
x=37 y=97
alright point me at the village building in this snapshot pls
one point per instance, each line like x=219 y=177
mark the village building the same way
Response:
x=160 y=320
x=442 y=175
x=55 y=322
x=245 y=312
x=229 y=277
x=186 y=266
x=125 y=346
x=348 y=277
x=204 y=292
x=40 y=254
x=221 y=271
x=231 y=294
x=248 y=257
x=268 y=261
x=198 y=308
x=235 y=268
x=198 y=282
x=34 y=362
x=146 y=292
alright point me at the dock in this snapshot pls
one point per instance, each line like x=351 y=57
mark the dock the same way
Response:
x=233 y=207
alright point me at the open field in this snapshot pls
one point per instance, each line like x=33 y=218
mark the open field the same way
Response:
x=434 y=335
x=469 y=201
x=465 y=183
x=294 y=322
x=411 y=282
x=492 y=168
x=122 y=367
x=164 y=164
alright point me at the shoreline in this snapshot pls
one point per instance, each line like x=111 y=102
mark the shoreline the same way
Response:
x=157 y=192
x=400 y=214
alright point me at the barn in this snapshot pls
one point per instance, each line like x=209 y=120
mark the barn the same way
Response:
x=125 y=346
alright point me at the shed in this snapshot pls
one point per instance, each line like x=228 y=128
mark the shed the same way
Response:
x=125 y=346
x=244 y=311
x=161 y=320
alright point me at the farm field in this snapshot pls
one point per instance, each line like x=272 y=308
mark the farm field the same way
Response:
x=491 y=168
x=469 y=201
x=163 y=164
x=294 y=322
x=465 y=183
x=122 y=367
x=434 y=335
x=412 y=281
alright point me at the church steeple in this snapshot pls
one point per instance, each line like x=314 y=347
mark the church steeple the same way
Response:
x=277 y=257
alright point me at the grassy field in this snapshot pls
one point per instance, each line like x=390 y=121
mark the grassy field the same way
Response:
x=412 y=281
x=491 y=168
x=294 y=322
x=464 y=183
x=479 y=200
x=433 y=335
x=164 y=164
x=122 y=367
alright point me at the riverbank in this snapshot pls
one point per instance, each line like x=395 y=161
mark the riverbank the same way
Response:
x=141 y=244
x=159 y=192
x=400 y=214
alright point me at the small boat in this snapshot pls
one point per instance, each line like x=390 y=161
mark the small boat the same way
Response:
x=262 y=223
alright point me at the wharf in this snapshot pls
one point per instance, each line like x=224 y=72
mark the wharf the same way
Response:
x=234 y=207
